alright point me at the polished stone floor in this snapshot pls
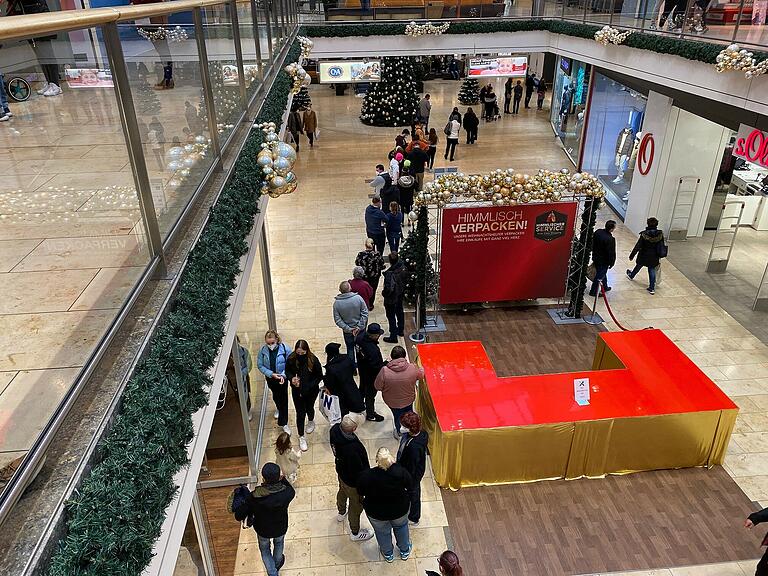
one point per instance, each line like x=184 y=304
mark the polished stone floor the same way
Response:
x=314 y=236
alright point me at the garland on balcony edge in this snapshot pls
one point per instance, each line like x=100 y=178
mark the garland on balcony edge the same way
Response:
x=115 y=517
x=690 y=49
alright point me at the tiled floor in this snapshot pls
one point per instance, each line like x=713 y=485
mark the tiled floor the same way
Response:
x=314 y=235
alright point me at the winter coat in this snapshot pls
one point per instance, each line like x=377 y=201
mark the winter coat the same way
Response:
x=518 y=90
x=455 y=127
x=371 y=261
x=385 y=492
x=425 y=107
x=647 y=247
x=340 y=382
x=263 y=363
x=455 y=116
x=397 y=382
x=375 y=219
x=395 y=279
x=288 y=462
x=310 y=121
x=394 y=223
x=412 y=454
x=299 y=366
x=758 y=518
x=361 y=287
x=350 y=456
x=388 y=195
x=369 y=360
x=269 y=508
x=471 y=122
x=603 y=248
x=350 y=312
x=418 y=158
x=295 y=124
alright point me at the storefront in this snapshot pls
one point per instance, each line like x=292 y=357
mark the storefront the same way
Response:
x=569 y=100
x=612 y=139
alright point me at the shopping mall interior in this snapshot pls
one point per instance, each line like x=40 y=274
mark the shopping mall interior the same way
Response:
x=163 y=213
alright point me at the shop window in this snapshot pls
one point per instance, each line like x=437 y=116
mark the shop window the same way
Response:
x=569 y=100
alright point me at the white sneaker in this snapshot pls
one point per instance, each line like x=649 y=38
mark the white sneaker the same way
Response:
x=9 y=114
x=287 y=429
x=277 y=413
x=361 y=536
x=4 y=118
x=310 y=426
x=303 y=444
x=341 y=517
x=42 y=90
x=53 y=90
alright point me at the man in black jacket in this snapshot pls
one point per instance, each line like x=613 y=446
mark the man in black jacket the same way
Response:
x=369 y=362
x=395 y=278
x=269 y=513
x=530 y=85
x=351 y=460
x=751 y=521
x=603 y=255
x=419 y=160
x=339 y=380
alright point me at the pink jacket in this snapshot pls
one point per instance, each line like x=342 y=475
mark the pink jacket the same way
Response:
x=397 y=382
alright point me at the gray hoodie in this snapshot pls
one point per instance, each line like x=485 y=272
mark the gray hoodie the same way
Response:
x=350 y=312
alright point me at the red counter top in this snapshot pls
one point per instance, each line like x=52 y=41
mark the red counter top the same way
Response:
x=657 y=379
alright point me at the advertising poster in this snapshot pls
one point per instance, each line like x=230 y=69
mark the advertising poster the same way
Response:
x=503 y=253
x=751 y=145
x=350 y=71
x=88 y=78
x=499 y=67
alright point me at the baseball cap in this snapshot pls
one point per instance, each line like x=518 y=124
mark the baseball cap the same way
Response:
x=332 y=348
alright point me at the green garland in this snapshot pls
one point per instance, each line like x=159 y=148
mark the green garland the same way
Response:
x=415 y=252
x=115 y=517
x=577 y=273
x=690 y=49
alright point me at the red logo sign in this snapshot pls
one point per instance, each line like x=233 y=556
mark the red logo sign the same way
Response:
x=753 y=147
x=645 y=154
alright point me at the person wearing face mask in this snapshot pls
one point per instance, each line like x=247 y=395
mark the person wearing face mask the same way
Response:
x=271 y=362
x=303 y=371
x=397 y=383
x=412 y=455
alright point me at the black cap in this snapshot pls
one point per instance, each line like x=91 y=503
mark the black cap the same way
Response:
x=333 y=349
x=270 y=472
x=374 y=329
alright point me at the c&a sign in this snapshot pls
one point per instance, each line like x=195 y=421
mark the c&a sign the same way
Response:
x=752 y=145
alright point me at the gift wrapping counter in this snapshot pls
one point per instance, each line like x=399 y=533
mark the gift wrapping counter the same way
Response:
x=650 y=408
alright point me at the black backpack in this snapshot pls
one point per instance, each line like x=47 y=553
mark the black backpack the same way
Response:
x=239 y=503
x=394 y=282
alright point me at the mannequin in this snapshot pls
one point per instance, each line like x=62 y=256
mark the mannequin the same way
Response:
x=624 y=143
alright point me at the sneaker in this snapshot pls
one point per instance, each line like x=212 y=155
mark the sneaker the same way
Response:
x=277 y=413
x=375 y=418
x=303 y=444
x=53 y=90
x=310 y=426
x=407 y=554
x=608 y=288
x=250 y=415
x=4 y=118
x=42 y=90
x=389 y=558
x=629 y=274
x=361 y=536
x=341 y=517
x=389 y=340
x=287 y=429
x=651 y=291
x=9 y=114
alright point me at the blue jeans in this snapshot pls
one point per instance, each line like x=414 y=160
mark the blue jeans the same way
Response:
x=379 y=240
x=349 y=340
x=394 y=241
x=3 y=97
x=651 y=275
x=271 y=558
x=397 y=414
x=383 y=530
x=601 y=273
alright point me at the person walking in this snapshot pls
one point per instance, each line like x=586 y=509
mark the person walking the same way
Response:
x=412 y=455
x=372 y=263
x=508 y=86
x=375 y=223
x=395 y=279
x=471 y=124
x=271 y=362
x=397 y=381
x=370 y=363
x=433 y=141
x=310 y=124
x=453 y=69
x=425 y=109
x=351 y=315
x=339 y=381
x=384 y=489
x=489 y=105
x=753 y=520
x=360 y=286
x=530 y=85
x=287 y=458
x=394 y=226
x=541 y=93
x=303 y=371
x=448 y=564
x=455 y=115
x=603 y=255
x=452 y=133
x=295 y=127
x=351 y=460
x=518 y=95
x=269 y=511
x=649 y=249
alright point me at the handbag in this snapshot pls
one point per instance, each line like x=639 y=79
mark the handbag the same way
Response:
x=447 y=129
x=329 y=407
x=591 y=272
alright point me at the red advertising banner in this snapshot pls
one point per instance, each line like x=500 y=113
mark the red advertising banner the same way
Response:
x=505 y=252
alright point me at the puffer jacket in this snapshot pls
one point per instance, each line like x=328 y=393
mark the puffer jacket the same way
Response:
x=647 y=247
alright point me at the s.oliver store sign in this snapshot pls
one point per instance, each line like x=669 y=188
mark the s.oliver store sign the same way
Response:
x=752 y=145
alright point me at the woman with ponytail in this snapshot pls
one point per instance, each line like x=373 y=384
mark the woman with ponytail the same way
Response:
x=449 y=565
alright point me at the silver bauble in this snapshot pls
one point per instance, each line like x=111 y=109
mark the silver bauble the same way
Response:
x=281 y=165
x=173 y=165
x=286 y=151
x=277 y=182
x=174 y=152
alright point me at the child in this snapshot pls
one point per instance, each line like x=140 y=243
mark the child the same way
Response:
x=286 y=457
x=540 y=94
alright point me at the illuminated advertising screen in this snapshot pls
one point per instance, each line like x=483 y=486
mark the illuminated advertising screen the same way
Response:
x=499 y=67
x=350 y=71
x=88 y=78
x=231 y=76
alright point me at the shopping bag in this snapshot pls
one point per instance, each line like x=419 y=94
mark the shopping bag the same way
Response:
x=658 y=275
x=329 y=407
x=591 y=272
x=317 y=134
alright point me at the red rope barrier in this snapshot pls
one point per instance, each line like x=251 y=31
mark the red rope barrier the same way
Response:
x=608 y=306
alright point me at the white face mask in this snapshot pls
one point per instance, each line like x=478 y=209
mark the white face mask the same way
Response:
x=272 y=346
x=404 y=430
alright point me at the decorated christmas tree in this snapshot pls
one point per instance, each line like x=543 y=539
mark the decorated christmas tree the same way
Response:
x=469 y=93
x=393 y=100
x=415 y=252
x=147 y=101
x=301 y=100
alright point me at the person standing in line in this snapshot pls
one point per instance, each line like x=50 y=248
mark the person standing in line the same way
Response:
x=384 y=489
x=489 y=105
x=360 y=286
x=394 y=226
x=310 y=124
x=401 y=140
x=541 y=93
x=530 y=85
x=418 y=159
x=603 y=255
x=269 y=510
x=397 y=381
x=372 y=262
x=394 y=166
x=303 y=371
x=425 y=109
x=507 y=95
x=452 y=138
x=448 y=563
x=271 y=362
x=753 y=520
x=295 y=127
x=351 y=315
x=351 y=460
x=392 y=194
x=395 y=278
x=518 y=95
x=370 y=363
x=471 y=124
x=381 y=181
x=287 y=458
x=412 y=455
x=433 y=141
x=375 y=223
x=339 y=381
x=649 y=249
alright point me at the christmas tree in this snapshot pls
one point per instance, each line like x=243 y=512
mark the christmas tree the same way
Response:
x=393 y=100
x=415 y=252
x=469 y=93
x=301 y=101
x=147 y=101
